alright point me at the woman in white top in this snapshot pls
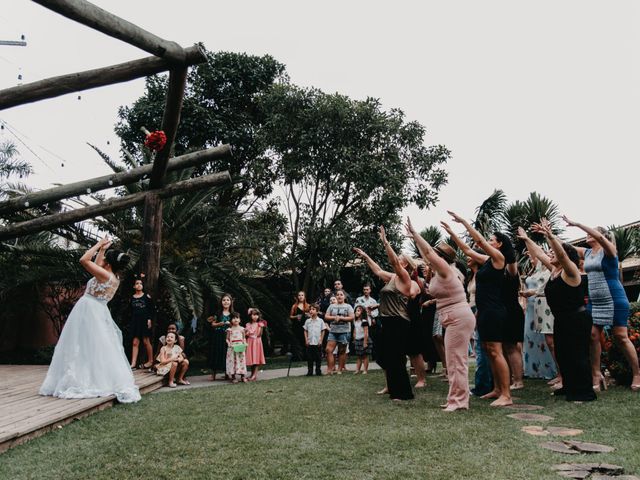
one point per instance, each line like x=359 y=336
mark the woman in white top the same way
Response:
x=89 y=359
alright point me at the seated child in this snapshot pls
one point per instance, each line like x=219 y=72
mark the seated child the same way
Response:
x=172 y=361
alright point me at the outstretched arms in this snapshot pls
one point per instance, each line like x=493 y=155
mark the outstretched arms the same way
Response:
x=497 y=259
x=427 y=252
x=404 y=284
x=534 y=249
x=91 y=266
x=570 y=272
x=607 y=245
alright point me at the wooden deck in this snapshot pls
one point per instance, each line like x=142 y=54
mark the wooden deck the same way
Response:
x=24 y=414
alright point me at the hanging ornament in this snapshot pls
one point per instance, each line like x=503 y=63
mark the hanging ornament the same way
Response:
x=155 y=140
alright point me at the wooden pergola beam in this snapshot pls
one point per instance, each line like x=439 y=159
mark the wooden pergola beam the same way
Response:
x=99 y=77
x=95 y=17
x=104 y=182
x=170 y=121
x=112 y=205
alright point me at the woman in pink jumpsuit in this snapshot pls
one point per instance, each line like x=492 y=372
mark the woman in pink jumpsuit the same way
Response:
x=454 y=313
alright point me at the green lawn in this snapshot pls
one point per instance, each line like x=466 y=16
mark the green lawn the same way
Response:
x=330 y=427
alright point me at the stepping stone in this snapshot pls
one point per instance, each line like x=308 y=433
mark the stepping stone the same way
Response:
x=602 y=468
x=559 y=447
x=541 y=431
x=601 y=476
x=530 y=417
x=524 y=406
x=536 y=430
x=589 y=447
x=575 y=473
x=564 y=432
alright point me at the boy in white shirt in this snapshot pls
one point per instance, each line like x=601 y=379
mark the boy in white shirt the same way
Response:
x=314 y=329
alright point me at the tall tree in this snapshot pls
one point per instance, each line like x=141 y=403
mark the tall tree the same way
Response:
x=345 y=167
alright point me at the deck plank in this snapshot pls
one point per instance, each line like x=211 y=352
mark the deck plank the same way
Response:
x=25 y=414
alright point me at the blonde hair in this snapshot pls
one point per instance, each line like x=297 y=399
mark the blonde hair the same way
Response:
x=608 y=234
x=411 y=263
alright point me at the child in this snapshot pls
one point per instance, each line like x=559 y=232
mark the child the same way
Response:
x=314 y=329
x=142 y=313
x=340 y=315
x=362 y=343
x=172 y=328
x=236 y=362
x=255 y=351
x=172 y=360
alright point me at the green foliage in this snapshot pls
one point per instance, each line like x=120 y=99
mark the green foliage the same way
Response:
x=627 y=241
x=346 y=166
x=612 y=357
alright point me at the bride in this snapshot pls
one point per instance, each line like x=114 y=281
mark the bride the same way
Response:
x=89 y=359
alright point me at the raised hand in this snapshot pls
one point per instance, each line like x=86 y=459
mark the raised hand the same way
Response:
x=456 y=218
x=447 y=228
x=409 y=227
x=358 y=251
x=383 y=234
x=522 y=234
x=569 y=223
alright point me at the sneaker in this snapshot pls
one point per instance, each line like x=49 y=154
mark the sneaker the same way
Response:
x=309 y=374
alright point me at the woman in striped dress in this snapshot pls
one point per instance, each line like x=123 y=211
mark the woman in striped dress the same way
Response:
x=608 y=301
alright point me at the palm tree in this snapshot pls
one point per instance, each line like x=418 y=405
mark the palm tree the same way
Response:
x=10 y=165
x=203 y=251
x=627 y=241
x=489 y=215
x=431 y=234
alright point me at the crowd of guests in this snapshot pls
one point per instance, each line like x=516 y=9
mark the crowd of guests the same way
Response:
x=544 y=322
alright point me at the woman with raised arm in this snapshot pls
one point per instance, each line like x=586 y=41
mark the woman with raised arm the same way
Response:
x=455 y=314
x=572 y=321
x=608 y=301
x=89 y=359
x=394 y=317
x=492 y=313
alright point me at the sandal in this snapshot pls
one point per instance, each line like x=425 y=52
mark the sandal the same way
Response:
x=183 y=382
x=172 y=385
x=147 y=365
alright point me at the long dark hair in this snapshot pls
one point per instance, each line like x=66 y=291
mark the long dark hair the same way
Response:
x=117 y=259
x=506 y=248
x=231 y=310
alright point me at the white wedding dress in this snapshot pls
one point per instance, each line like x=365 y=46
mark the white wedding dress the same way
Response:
x=89 y=359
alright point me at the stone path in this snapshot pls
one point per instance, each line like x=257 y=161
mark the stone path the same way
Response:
x=200 y=381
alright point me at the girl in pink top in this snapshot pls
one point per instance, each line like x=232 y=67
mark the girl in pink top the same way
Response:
x=454 y=313
x=255 y=351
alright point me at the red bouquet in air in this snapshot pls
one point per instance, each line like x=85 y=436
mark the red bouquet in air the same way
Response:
x=155 y=140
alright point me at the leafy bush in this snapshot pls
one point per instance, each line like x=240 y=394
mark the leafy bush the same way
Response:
x=612 y=358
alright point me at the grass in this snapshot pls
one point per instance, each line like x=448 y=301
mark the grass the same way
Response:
x=329 y=427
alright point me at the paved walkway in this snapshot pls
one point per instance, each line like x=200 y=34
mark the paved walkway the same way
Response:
x=199 y=381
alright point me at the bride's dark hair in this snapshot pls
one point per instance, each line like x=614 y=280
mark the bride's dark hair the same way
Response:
x=117 y=259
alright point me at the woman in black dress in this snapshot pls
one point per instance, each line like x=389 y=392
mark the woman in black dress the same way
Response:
x=142 y=314
x=572 y=321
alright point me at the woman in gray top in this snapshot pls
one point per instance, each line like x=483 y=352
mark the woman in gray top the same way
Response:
x=394 y=318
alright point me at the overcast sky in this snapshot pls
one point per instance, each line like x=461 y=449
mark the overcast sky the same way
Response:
x=529 y=96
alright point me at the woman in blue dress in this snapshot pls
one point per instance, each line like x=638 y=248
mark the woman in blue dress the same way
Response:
x=608 y=301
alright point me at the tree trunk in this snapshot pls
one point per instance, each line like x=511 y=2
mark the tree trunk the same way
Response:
x=152 y=233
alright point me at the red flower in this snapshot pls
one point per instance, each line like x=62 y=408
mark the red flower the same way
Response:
x=155 y=140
